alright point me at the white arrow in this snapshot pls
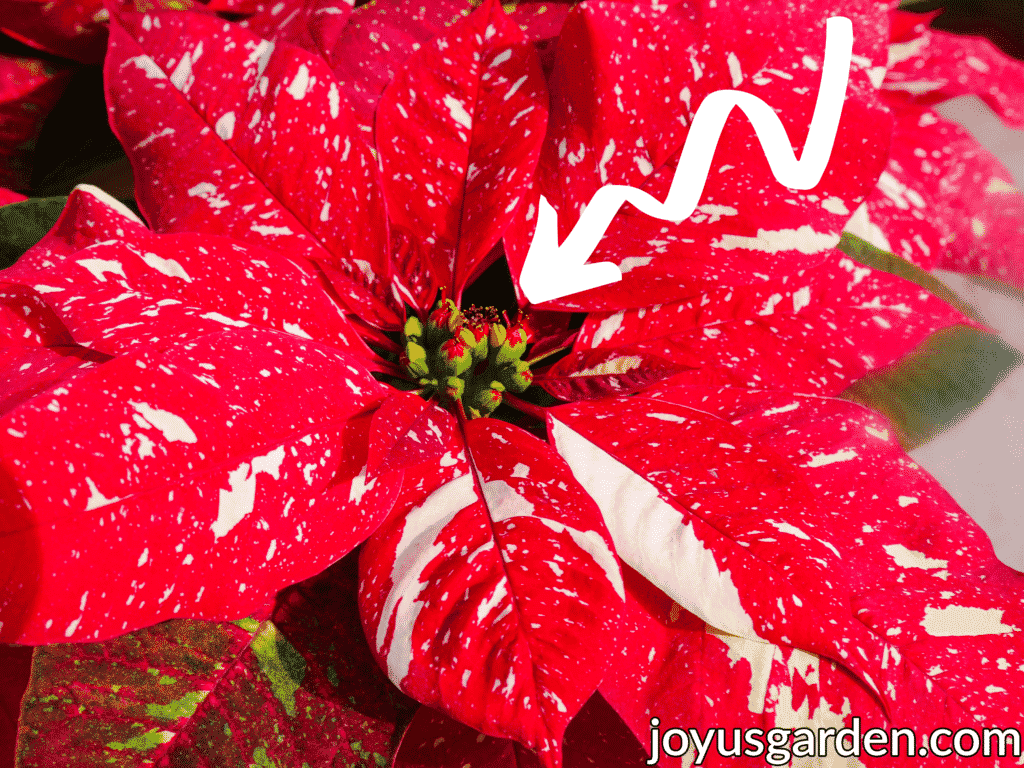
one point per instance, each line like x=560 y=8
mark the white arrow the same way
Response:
x=552 y=271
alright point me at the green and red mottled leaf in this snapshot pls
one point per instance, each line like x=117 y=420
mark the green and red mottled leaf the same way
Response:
x=298 y=687
x=620 y=114
x=491 y=592
x=798 y=520
x=28 y=90
x=595 y=737
x=459 y=132
x=123 y=701
x=231 y=143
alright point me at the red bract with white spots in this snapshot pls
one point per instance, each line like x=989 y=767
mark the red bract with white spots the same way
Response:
x=620 y=113
x=917 y=607
x=944 y=200
x=449 y=205
x=254 y=171
x=203 y=413
x=155 y=461
x=495 y=595
x=815 y=331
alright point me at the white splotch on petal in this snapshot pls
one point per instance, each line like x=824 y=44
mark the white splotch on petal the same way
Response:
x=100 y=267
x=300 y=83
x=236 y=503
x=964 y=621
x=803 y=239
x=225 y=126
x=908 y=558
x=650 y=535
x=458 y=112
x=823 y=459
x=171 y=426
x=168 y=267
x=97 y=499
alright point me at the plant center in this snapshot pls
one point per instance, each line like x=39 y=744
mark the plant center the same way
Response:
x=468 y=356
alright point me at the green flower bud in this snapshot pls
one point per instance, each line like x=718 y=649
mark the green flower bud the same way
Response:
x=455 y=387
x=476 y=337
x=516 y=377
x=454 y=357
x=416 y=359
x=413 y=329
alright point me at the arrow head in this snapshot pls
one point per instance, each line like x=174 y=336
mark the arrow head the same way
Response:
x=551 y=272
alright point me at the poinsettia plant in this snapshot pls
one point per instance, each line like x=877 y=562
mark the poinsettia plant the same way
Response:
x=292 y=474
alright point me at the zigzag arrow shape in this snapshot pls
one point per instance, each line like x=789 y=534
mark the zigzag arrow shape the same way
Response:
x=552 y=271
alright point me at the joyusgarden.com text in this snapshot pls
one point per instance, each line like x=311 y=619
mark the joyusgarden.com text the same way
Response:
x=779 y=745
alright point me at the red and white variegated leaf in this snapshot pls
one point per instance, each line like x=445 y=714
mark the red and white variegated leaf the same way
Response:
x=595 y=737
x=191 y=482
x=310 y=24
x=72 y=29
x=238 y=136
x=945 y=201
x=733 y=532
x=690 y=675
x=638 y=103
x=493 y=595
x=925 y=576
x=927 y=66
x=406 y=432
x=601 y=372
x=921 y=609
x=28 y=90
x=8 y=196
x=378 y=39
x=117 y=286
x=817 y=331
x=459 y=131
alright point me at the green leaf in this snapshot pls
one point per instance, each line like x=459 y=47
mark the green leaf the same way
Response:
x=947 y=376
x=298 y=688
x=22 y=225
